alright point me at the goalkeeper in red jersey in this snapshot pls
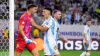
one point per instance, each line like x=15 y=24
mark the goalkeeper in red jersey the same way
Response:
x=24 y=28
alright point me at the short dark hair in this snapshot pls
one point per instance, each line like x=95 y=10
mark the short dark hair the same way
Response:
x=88 y=20
x=31 y=6
x=49 y=9
x=56 y=11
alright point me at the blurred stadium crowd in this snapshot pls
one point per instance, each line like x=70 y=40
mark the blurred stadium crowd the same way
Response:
x=4 y=9
x=4 y=19
x=4 y=25
x=4 y=31
x=73 y=11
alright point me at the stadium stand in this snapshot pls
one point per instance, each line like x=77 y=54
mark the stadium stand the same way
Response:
x=73 y=10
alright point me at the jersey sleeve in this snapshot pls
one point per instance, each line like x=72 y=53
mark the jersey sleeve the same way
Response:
x=85 y=29
x=48 y=23
x=22 y=21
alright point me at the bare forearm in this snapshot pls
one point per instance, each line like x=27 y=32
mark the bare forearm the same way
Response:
x=40 y=28
x=37 y=26
x=85 y=37
x=60 y=38
x=91 y=40
x=22 y=33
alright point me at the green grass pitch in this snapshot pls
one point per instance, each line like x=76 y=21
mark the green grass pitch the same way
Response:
x=64 y=53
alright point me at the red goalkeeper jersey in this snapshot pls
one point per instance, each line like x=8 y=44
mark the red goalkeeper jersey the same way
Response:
x=25 y=21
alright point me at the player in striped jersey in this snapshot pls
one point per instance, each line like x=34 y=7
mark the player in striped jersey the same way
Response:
x=87 y=39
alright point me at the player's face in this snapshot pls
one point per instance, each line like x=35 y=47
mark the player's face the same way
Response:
x=45 y=13
x=89 y=23
x=58 y=15
x=34 y=10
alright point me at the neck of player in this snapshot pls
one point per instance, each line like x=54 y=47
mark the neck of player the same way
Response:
x=88 y=25
x=55 y=19
x=48 y=16
x=29 y=12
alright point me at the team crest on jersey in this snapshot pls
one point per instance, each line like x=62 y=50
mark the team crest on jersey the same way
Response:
x=46 y=23
x=23 y=22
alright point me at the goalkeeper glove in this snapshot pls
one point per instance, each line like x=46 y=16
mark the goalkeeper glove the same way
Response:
x=27 y=40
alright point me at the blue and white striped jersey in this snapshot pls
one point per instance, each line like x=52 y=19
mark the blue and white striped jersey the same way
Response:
x=51 y=35
x=87 y=31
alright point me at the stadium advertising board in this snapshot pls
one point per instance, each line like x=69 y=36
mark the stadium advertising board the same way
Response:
x=75 y=35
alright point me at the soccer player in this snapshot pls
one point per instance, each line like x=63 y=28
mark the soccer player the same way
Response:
x=87 y=39
x=51 y=28
x=24 y=39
